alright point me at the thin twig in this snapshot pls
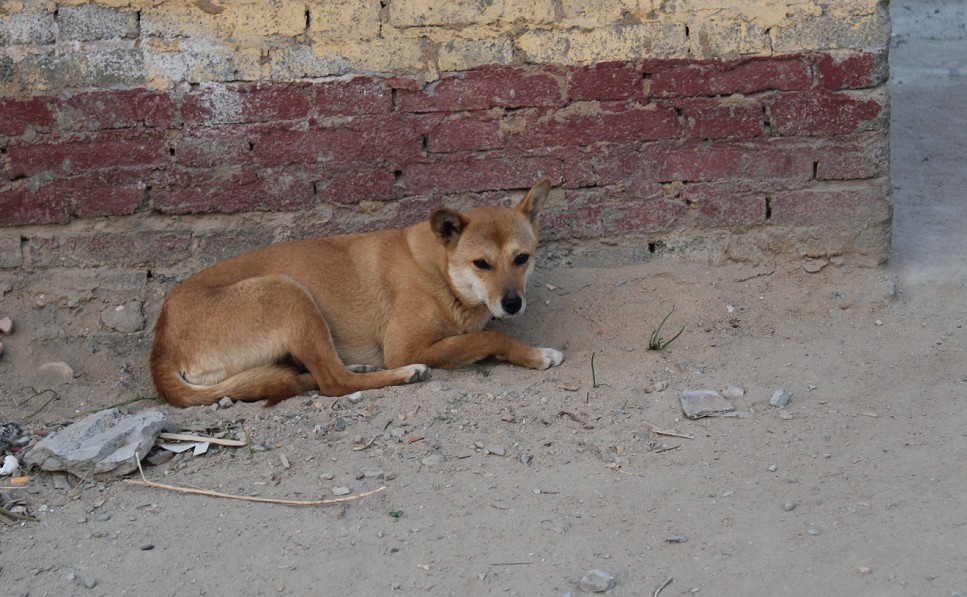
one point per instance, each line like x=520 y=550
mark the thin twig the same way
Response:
x=368 y=444
x=184 y=437
x=120 y=404
x=36 y=393
x=145 y=483
x=663 y=585
x=8 y=514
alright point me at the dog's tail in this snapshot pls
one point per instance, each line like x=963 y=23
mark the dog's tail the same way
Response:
x=273 y=383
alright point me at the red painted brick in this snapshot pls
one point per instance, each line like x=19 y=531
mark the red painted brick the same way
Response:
x=606 y=81
x=866 y=157
x=708 y=119
x=475 y=131
x=130 y=148
x=506 y=172
x=606 y=211
x=753 y=161
x=686 y=78
x=613 y=124
x=726 y=204
x=17 y=115
x=488 y=87
x=124 y=108
x=110 y=194
x=20 y=207
x=821 y=112
x=367 y=139
x=355 y=97
x=209 y=146
x=239 y=104
x=184 y=192
x=603 y=164
x=350 y=186
x=856 y=71
x=853 y=203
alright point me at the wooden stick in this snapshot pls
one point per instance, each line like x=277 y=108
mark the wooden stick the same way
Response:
x=664 y=584
x=183 y=437
x=145 y=483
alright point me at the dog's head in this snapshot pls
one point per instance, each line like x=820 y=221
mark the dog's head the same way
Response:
x=491 y=250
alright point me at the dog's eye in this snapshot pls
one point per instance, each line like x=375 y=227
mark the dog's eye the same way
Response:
x=481 y=264
x=521 y=259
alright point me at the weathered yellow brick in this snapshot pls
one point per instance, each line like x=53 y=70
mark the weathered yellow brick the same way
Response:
x=422 y=13
x=463 y=54
x=352 y=19
x=728 y=39
x=619 y=42
x=249 y=20
x=397 y=54
x=595 y=12
x=833 y=33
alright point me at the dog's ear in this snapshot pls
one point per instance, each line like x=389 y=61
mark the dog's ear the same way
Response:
x=447 y=224
x=533 y=202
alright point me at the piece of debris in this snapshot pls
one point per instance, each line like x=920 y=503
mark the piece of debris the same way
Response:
x=704 y=403
x=676 y=538
x=102 y=444
x=6 y=325
x=10 y=466
x=734 y=392
x=780 y=398
x=597 y=581
x=661 y=386
x=496 y=450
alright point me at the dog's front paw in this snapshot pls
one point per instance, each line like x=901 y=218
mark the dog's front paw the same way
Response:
x=550 y=357
x=417 y=373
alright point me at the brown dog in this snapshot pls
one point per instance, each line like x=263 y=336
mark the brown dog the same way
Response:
x=280 y=321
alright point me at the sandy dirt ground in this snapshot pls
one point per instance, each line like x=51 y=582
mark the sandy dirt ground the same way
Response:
x=500 y=480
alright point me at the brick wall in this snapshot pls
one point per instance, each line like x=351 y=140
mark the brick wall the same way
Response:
x=142 y=136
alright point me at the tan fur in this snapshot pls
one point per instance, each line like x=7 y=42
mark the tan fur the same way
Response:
x=289 y=318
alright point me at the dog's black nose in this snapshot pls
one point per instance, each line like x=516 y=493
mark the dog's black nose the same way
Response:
x=511 y=303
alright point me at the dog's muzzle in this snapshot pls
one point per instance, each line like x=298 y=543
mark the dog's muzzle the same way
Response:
x=511 y=303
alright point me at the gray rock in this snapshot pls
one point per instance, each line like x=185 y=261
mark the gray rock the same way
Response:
x=597 y=581
x=789 y=506
x=103 y=444
x=432 y=460
x=126 y=318
x=733 y=392
x=661 y=386
x=780 y=398
x=225 y=402
x=497 y=450
x=678 y=538
x=340 y=491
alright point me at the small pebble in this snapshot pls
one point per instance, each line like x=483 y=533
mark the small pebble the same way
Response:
x=597 y=581
x=813 y=531
x=225 y=402
x=432 y=460
x=773 y=468
x=341 y=490
x=733 y=392
x=864 y=570
x=878 y=322
x=676 y=538
x=496 y=450
x=326 y=476
x=661 y=386
x=340 y=424
x=780 y=398
x=788 y=506
x=104 y=517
